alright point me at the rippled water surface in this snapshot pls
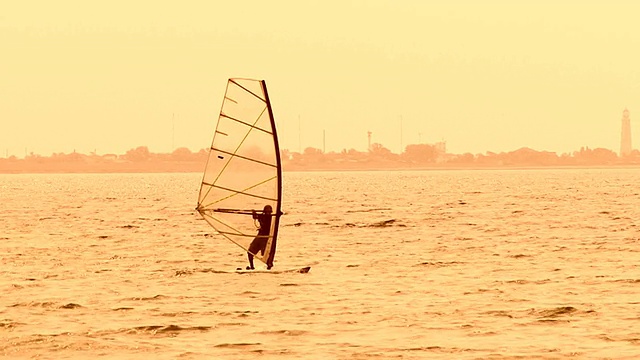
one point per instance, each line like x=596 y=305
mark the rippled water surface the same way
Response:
x=425 y=264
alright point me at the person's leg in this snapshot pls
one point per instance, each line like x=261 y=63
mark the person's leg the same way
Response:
x=250 y=256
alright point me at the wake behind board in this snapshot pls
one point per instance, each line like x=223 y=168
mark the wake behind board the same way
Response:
x=301 y=270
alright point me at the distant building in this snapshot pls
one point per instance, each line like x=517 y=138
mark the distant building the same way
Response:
x=625 y=142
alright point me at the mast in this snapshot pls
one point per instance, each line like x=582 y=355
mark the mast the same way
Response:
x=278 y=209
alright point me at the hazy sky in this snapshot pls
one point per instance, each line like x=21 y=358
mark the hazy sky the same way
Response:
x=482 y=75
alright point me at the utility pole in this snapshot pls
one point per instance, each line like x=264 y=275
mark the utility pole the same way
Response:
x=400 y=134
x=324 y=139
x=625 y=142
x=299 y=135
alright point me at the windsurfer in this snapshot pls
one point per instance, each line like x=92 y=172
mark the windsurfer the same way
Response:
x=259 y=243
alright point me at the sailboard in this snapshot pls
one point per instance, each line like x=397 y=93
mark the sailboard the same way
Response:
x=243 y=173
x=300 y=270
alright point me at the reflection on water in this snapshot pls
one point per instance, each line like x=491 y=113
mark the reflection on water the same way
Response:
x=431 y=264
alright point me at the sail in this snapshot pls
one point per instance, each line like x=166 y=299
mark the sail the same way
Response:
x=243 y=172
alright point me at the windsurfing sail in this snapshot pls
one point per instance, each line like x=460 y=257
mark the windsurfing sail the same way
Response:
x=243 y=172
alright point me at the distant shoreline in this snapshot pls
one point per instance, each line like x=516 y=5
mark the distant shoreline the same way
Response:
x=190 y=167
x=415 y=157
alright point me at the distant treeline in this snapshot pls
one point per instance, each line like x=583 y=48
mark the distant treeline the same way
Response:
x=141 y=159
x=428 y=156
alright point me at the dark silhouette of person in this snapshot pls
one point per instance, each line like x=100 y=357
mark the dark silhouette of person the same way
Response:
x=259 y=243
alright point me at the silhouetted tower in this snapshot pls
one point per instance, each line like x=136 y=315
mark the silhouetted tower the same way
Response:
x=625 y=142
x=324 y=141
x=369 y=139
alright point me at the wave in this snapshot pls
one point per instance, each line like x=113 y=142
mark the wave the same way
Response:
x=236 y=345
x=630 y=281
x=555 y=314
x=284 y=332
x=47 y=304
x=368 y=210
x=70 y=306
x=9 y=324
x=165 y=329
x=439 y=263
x=524 y=282
x=558 y=312
x=157 y=297
x=377 y=224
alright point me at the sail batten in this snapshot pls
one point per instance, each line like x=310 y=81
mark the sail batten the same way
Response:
x=246 y=158
x=244 y=123
x=247 y=90
x=243 y=173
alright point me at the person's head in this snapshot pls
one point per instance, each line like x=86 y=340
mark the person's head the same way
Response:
x=267 y=209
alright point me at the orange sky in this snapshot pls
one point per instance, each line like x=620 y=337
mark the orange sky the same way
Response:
x=481 y=75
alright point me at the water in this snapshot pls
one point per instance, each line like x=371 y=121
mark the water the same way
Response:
x=433 y=264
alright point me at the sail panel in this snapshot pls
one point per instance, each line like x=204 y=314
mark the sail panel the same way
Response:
x=243 y=171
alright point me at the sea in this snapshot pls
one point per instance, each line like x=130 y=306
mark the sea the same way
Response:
x=435 y=264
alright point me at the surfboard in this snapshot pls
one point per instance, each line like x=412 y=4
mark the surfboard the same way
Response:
x=301 y=270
